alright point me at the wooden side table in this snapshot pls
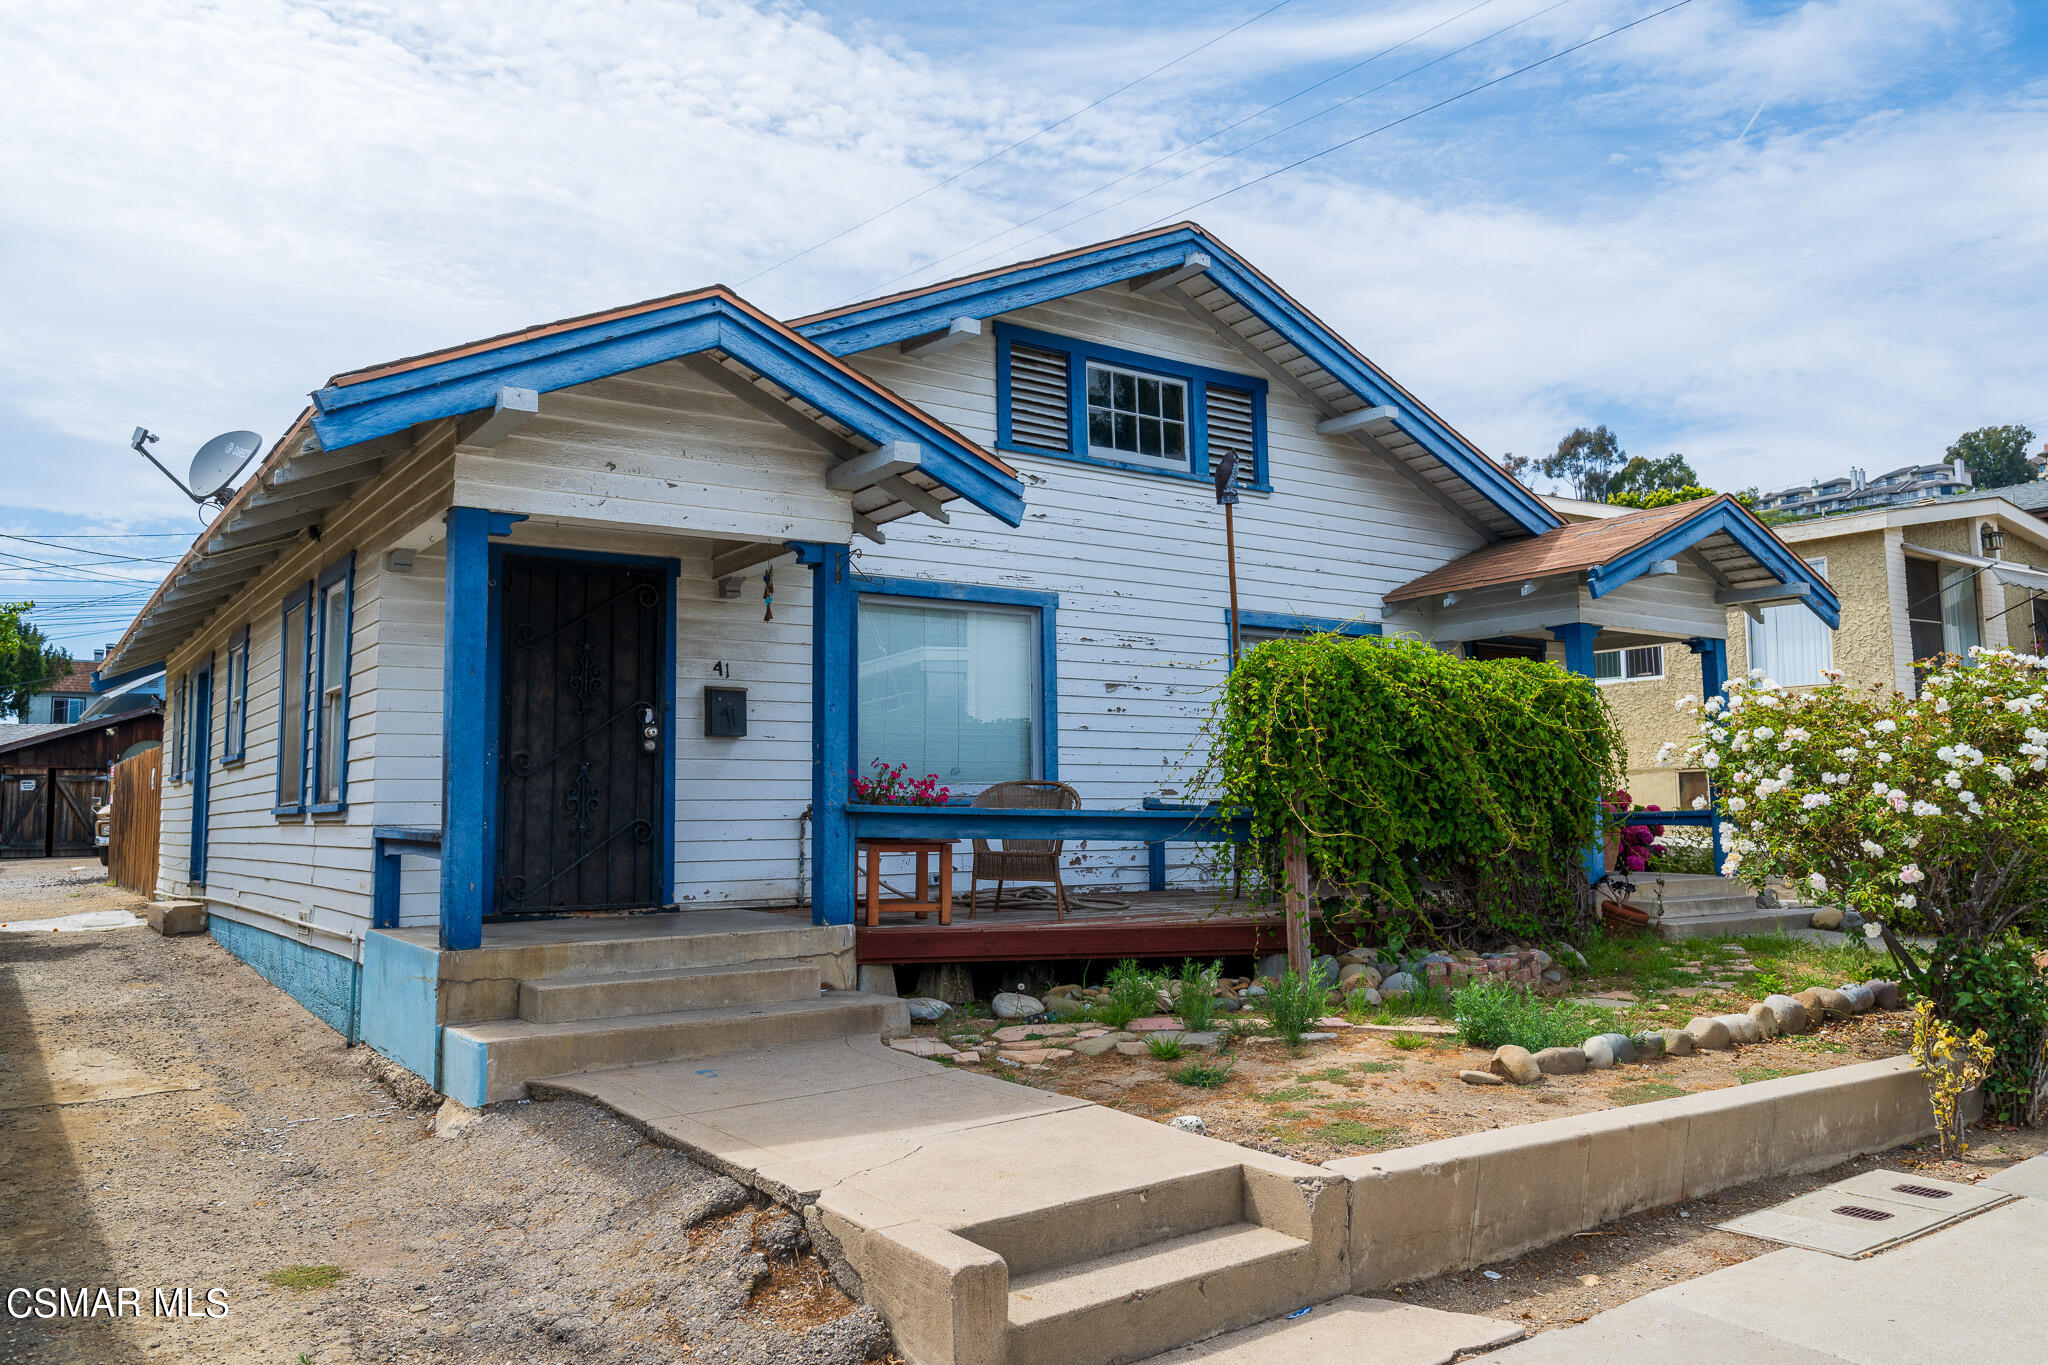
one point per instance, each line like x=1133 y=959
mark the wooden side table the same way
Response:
x=925 y=849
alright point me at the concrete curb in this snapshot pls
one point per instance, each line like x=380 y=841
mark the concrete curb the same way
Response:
x=1467 y=1201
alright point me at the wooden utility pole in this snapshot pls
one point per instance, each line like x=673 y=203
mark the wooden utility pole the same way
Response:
x=1294 y=866
x=1225 y=474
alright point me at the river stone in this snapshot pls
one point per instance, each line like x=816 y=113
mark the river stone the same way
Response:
x=1327 y=966
x=1709 y=1035
x=1677 y=1042
x=1567 y=953
x=1834 y=1003
x=1649 y=1046
x=1561 y=1061
x=1886 y=993
x=1829 y=918
x=1272 y=967
x=1766 y=1019
x=1741 y=1028
x=926 y=1010
x=1400 y=983
x=1861 y=998
x=1599 y=1052
x=1623 y=1046
x=1356 y=957
x=1852 y=923
x=1010 y=1005
x=1480 y=1078
x=1515 y=1064
x=1189 y=1123
x=1095 y=1047
x=1065 y=1006
x=1816 y=1013
x=1791 y=1015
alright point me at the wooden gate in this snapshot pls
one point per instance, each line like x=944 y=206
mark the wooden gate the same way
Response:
x=138 y=804
x=24 y=814
x=73 y=796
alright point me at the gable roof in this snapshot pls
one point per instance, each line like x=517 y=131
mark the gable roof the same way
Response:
x=1742 y=551
x=78 y=682
x=1261 y=320
x=361 y=419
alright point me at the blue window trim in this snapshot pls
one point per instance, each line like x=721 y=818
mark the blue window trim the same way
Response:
x=670 y=570
x=300 y=597
x=1047 y=605
x=178 y=729
x=1079 y=353
x=1299 y=625
x=341 y=571
x=234 y=740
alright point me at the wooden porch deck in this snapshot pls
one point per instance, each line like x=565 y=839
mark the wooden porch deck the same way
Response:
x=1187 y=923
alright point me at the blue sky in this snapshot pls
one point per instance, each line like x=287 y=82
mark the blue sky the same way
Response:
x=1781 y=238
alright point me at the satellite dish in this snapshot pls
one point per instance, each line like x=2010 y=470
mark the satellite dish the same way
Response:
x=219 y=460
x=213 y=468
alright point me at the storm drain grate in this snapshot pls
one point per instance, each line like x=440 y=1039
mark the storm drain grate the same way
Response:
x=1867 y=1213
x=1858 y=1211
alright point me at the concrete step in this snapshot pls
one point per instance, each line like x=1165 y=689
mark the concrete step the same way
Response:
x=1101 y=1224
x=498 y=1057
x=618 y=995
x=1749 y=919
x=1135 y=1303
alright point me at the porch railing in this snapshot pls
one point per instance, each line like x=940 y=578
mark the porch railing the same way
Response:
x=1710 y=819
x=1156 y=824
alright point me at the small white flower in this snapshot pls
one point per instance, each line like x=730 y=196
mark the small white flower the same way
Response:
x=1817 y=882
x=1885 y=727
x=1875 y=850
x=1685 y=703
x=1908 y=901
x=1883 y=757
x=1967 y=798
x=2001 y=772
x=1926 y=808
x=1736 y=804
x=1699 y=803
x=1710 y=759
x=1815 y=800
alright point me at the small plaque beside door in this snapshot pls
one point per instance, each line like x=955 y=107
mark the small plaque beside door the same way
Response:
x=725 y=711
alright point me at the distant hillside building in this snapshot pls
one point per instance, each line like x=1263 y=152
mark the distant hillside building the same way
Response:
x=1856 y=490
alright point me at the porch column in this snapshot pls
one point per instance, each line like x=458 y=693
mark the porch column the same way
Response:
x=1713 y=677
x=834 y=600
x=1578 y=657
x=469 y=733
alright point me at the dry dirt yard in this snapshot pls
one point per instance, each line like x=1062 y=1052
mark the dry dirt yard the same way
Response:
x=1361 y=1091
x=170 y=1119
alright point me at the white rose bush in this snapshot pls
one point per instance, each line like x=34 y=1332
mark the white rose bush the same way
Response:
x=1925 y=815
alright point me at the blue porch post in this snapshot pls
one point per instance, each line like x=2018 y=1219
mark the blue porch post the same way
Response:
x=834 y=601
x=469 y=732
x=1578 y=657
x=1713 y=677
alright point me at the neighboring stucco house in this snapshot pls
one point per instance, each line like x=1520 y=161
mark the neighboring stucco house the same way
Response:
x=71 y=698
x=1913 y=581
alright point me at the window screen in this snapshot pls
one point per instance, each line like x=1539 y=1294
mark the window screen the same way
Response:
x=949 y=688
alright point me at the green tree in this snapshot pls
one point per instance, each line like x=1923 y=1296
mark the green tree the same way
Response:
x=1586 y=460
x=1643 y=476
x=1660 y=497
x=1995 y=456
x=28 y=661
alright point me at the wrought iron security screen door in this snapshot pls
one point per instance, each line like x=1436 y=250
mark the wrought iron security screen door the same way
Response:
x=580 y=736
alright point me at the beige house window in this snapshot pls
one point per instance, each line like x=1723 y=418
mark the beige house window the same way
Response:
x=1692 y=785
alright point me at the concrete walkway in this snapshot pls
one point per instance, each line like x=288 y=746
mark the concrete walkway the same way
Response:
x=1973 y=1291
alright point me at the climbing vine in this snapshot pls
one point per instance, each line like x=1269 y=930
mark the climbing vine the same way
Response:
x=1425 y=785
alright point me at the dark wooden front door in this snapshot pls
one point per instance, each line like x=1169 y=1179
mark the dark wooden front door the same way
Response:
x=579 y=773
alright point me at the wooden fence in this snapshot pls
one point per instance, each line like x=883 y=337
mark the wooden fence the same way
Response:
x=138 y=808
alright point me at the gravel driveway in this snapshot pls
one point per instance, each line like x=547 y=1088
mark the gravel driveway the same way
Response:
x=169 y=1119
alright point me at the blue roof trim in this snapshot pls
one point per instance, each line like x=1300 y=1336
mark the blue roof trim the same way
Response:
x=889 y=321
x=108 y=682
x=346 y=415
x=1746 y=531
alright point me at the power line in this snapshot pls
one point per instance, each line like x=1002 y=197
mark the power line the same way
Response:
x=81 y=550
x=939 y=185
x=117 y=535
x=1426 y=109
x=1187 y=146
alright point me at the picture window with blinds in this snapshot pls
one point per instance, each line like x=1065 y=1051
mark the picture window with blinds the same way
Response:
x=1100 y=405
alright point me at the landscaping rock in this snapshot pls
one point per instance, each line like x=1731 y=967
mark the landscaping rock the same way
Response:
x=1272 y=967
x=1624 y=1047
x=1253 y=992
x=925 y=1010
x=1766 y=1019
x=1834 y=1003
x=1200 y=1039
x=1010 y=1005
x=1829 y=918
x=1861 y=998
x=1133 y=1050
x=1357 y=957
x=922 y=1047
x=1370 y=996
x=1333 y=1024
x=971 y=1057
x=1852 y=923
x=1886 y=993
x=1790 y=1014
x=1095 y=1047
x=1480 y=1078
x=1400 y=983
x=952 y=982
x=1741 y=1027
x=1649 y=1046
x=1599 y=1053
x=1709 y=1034
x=1024 y=1033
x=1677 y=1042
x=1561 y=1061
x=1189 y=1123
x=1317 y=1037
x=1327 y=966
x=1515 y=1064
x=1567 y=953
x=1157 y=1023
x=1816 y=1013
x=1065 y=1006
x=1553 y=976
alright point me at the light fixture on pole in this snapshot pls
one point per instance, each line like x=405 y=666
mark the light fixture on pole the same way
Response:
x=1993 y=538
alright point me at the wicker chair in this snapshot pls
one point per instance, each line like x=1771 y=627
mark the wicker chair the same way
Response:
x=1021 y=860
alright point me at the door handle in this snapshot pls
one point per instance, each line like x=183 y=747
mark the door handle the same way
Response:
x=650 y=731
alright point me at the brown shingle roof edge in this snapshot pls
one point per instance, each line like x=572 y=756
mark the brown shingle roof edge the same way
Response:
x=1573 y=548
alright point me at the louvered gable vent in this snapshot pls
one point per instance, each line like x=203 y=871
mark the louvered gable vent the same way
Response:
x=1230 y=424
x=1038 y=398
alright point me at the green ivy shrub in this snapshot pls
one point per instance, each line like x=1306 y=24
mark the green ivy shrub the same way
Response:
x=1995 y=986
x=1430 y=786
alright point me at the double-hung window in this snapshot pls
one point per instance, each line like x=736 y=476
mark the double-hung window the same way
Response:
x=1628 y=665
x=955 y=688
x=1941 y=609
x=1792 y=645
x=1095 y=404
x=295 y=649
x=235 y=699
x=333 y=607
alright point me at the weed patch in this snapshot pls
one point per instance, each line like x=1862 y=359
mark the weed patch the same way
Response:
x=1642 y=1092
x=1492 y=1014
x=1164 y=1047
x=1375 y=1068
x=1205 y=1075
x=1352 y=1133
x=304 y=1277
x=1750 y=1075
x=1409 y=1042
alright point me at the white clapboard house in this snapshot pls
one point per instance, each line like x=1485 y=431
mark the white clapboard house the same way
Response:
x=508 y=641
